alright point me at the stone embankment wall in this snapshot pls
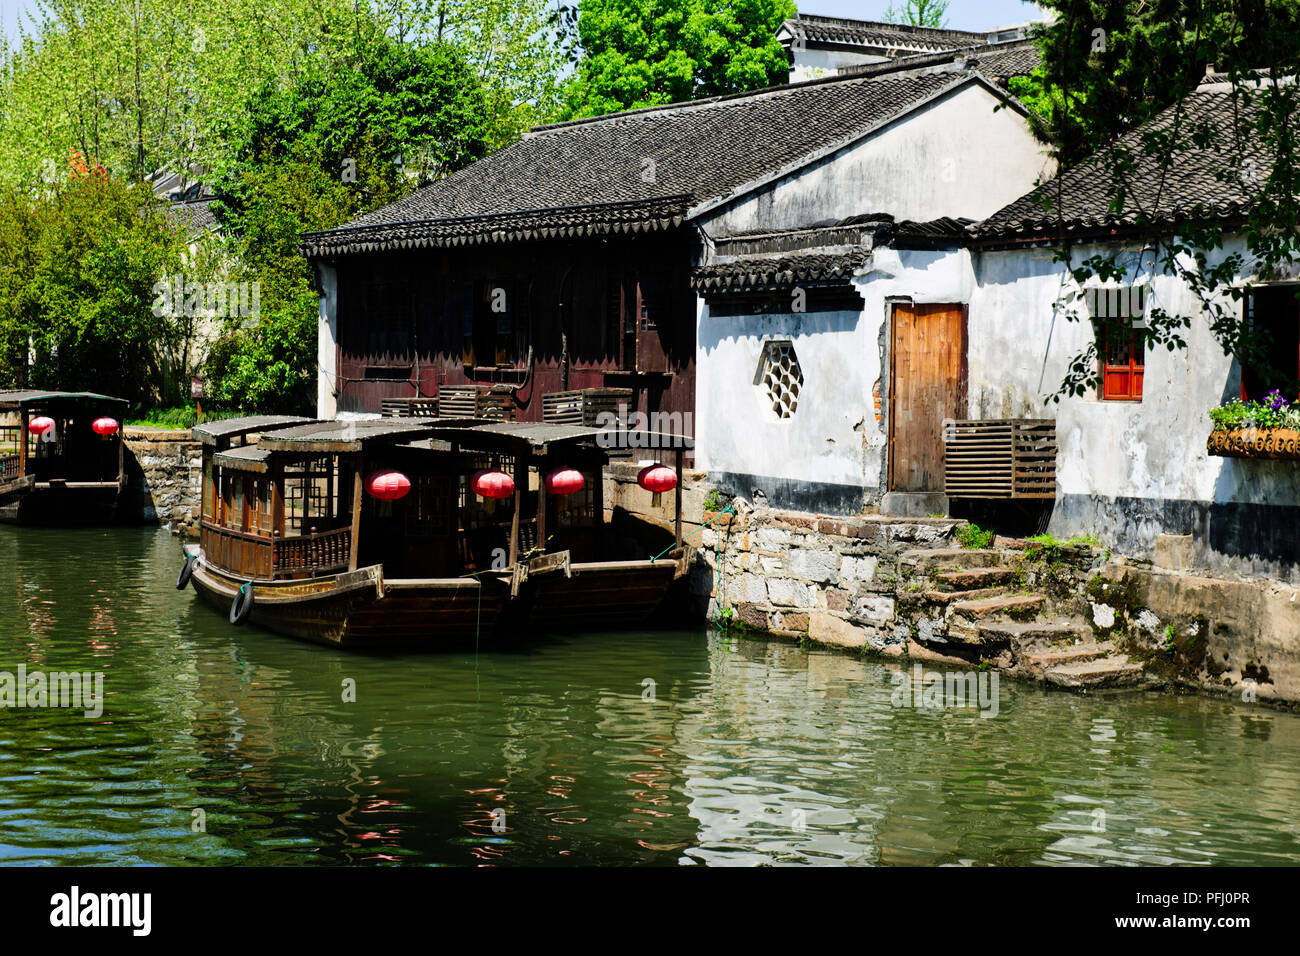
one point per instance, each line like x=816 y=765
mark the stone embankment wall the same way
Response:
x=164 y=470
x=1069 y=615
x=832 y=580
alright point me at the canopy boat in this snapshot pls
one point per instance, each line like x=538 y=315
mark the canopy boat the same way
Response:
x=421 y=532
x=61 y=457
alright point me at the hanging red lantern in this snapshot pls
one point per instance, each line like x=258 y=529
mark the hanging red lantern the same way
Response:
x=104 y=426
x=657 y=478
x=492 y=484
x=387 y=485
x=40 y=425
x=564 y=481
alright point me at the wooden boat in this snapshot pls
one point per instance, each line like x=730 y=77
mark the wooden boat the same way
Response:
x=67 y=474
x=291 y=540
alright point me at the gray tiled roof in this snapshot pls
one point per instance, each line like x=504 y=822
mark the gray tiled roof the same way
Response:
x=778 y=272
x=195 y=215
x=636 y=170
x=1192 y=186
x=997 y=61
x=814 y=29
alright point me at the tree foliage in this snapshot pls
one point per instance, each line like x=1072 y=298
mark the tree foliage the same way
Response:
x=919 y=13
x=636 y=53
x=76 y=308
x=354 y=133
x=1110 y=69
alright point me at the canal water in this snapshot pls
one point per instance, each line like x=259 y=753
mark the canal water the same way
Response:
x=220 y=745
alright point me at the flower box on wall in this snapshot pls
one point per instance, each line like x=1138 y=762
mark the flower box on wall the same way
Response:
x=1278 y=444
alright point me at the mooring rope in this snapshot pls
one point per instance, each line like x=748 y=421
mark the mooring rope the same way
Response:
x=725 y=511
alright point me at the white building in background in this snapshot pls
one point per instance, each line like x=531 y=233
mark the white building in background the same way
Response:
x=820 y=46
x=919 y=314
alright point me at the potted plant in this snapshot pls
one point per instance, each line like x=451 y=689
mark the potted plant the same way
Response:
x=1256 y=429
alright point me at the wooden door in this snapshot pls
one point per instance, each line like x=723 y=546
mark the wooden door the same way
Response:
x=927 y=384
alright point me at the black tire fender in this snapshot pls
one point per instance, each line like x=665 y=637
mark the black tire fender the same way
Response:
x=242 y=605
x=187 y=571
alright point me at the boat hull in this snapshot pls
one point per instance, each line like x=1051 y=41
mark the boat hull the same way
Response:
x=360 y=609
x=25 y=502
x=357 y=608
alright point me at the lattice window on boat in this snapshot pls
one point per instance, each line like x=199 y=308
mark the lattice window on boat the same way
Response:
x=780 y=377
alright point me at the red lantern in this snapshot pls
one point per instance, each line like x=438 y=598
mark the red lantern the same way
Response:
x=492 y=484
x=104 y=426
x=387 y=485
x=657 y=478
x=564 y=481
x=40 y=425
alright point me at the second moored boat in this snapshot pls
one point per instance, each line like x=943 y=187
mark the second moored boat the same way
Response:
x=421 y=532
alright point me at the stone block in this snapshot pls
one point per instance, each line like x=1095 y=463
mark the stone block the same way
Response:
x=790 y=620
x=858 y=570
x=771 y=539
x=753 y=588
x=821 y=566
x=829 y=629
x=874 y=610
x=754 y=615
x=788 y=593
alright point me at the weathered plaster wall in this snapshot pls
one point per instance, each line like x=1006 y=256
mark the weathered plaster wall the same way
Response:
x=1130 y=471
x=829 y=455
x=955 y=156
x=327 y=342
x=811 y=64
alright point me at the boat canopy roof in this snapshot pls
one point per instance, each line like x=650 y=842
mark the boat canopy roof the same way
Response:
x=538 y=437
x=244 y=458
x=26 y=399
x=210 y=433
x=330 y=437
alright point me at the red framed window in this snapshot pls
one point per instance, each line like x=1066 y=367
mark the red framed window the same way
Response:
x=1123 y=362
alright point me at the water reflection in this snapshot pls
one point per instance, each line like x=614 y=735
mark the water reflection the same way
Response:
x=749 y=753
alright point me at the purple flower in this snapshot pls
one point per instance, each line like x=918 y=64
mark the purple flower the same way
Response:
x=1275 y=401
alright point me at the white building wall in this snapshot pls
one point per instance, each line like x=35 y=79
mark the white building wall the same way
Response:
x=956 y=156
x=1126 y=471
x=833 y=446
x=812 y=64
x=327 y=342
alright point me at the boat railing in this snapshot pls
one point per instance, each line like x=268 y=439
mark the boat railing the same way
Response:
x=312 y=553
x=260 y=556
x=9 y=465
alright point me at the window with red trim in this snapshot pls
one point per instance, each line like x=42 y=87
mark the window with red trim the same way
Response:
x=1123 y=361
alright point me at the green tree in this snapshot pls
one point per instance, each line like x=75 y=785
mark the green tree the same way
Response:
x=76 y=298
x=919 y=13
x=354 y=133
x=636 y=53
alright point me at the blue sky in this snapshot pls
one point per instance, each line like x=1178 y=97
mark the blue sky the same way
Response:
x=962 y=14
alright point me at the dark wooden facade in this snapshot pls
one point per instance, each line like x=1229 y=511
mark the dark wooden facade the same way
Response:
x=596 y=312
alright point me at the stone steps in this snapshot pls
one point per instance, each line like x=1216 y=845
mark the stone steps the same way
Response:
x=1074 y=654
x=1113 y=671
x=1035 y=634
x=951 y=597
x=1013 y=605
x=973 y=578
x=973 y=592
x=947 y=559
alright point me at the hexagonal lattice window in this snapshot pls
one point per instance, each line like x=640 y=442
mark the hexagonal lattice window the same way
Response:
x=780 y=377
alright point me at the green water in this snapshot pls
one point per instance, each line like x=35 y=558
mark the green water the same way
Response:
x=751 y=752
